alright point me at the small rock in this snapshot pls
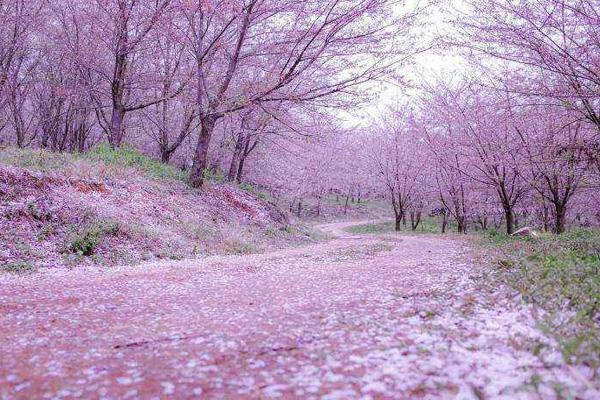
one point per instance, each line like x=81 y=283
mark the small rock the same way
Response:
x=526 y=232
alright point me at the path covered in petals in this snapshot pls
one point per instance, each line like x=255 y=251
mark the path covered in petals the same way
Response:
x=356 y=317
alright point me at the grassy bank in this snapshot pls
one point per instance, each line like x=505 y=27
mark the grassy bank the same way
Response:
x=561 y=274
x=100 y=161
x=114 y=207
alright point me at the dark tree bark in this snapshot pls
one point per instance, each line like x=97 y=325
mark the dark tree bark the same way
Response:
x=235 y=158
x=415 y=220
x=166 y=148
x=560 y=219
x=115 y=137
x=545 y=217
x=444 y=222
x=461 y=225
x=201 y=152
x=510 y=220
x=398 y=220
x=249 y=147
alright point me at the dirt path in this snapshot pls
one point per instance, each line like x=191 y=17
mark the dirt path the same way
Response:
x=356 y=317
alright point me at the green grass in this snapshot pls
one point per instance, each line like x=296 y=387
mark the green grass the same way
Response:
x=84 y=240
x=427 y=225
x=215 y=176
x=38 y=160
x=19 y=267
x=128 y=157
x=560 y=273
x=122 y=157
x=253 y=190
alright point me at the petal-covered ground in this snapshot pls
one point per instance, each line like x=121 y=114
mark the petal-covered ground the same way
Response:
x=356 y=317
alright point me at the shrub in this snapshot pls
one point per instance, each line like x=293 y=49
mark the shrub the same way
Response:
x=86 y=240
x=216 y=176
x=86 y=243
x=240 y=247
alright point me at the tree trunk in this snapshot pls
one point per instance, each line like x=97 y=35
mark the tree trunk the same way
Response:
x=240 y=171
x=510 y=220
x=560 y=218
x=116 y=127
x=45 y=137
x=346 y=205
x=246 y=150
x=201 y=152
x=415 y=220
x=545 y=218
x=399 y=218
x=461 y=225
x=165 y=156
x=235 y=159
x=81 y=138
x=444 y=222
x=115 y=134
x=319 y=198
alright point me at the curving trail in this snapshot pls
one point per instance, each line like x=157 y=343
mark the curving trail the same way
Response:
x=356 y=317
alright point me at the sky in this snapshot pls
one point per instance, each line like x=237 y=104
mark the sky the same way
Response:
x=427 y=65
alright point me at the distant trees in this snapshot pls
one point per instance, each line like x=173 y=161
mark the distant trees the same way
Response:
x=538 y=66
x=557 y=162
x=477 y=123
x=399 y=164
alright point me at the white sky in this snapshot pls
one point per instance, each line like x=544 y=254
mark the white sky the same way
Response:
x=429 y=64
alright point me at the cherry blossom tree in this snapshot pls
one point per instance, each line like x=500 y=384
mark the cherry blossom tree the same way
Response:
x=551 y=46
x=398 y=156
x=19 y=20
x=557 y=162
x=323 y=52
x=112 y=42
x=481 y=125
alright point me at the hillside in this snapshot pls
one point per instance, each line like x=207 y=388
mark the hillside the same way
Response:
x=120 y=207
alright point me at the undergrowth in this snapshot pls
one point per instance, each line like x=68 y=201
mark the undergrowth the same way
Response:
x=84 y=240
x=19 y=267
x=256 y=192
x=38 y=160
x=561 y=274
x=50 y=219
